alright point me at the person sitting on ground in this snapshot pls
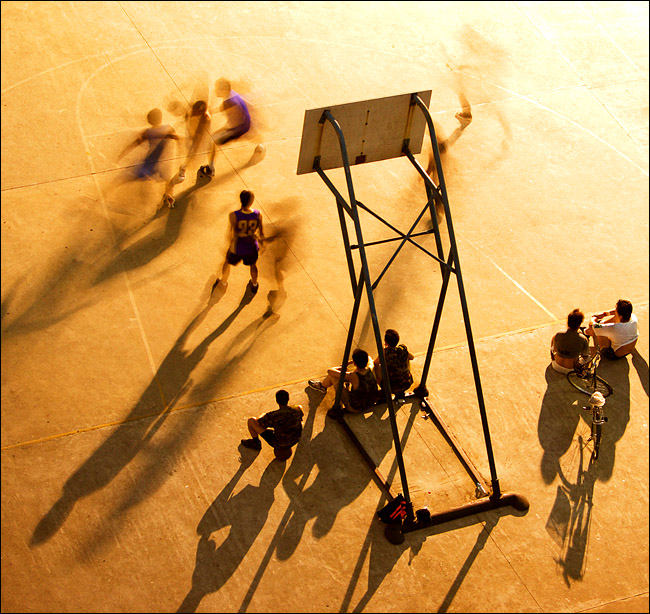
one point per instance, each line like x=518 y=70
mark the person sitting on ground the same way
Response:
x=616 y=330
x=280 y=428
x=361 y=394
x=398 y=364
x=569 y=346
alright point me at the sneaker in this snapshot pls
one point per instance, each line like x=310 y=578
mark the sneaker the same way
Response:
x=252 y=444
x=224 y=285
x=253 y=288
x=181 y=175
x=464 y=118
x=316 y=385
x=169 y=201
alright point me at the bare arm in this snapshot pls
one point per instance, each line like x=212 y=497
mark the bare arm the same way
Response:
x=260 y=229
x=132 y=145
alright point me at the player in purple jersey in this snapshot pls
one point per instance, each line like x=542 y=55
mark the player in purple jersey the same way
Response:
x=246 y=233
x=153 y=168
x=238 y=117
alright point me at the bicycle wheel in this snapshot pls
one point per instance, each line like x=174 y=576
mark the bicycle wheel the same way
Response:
x=587 y=386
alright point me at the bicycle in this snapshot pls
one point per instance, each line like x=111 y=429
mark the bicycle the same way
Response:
x=585 y=376
x=598 y=418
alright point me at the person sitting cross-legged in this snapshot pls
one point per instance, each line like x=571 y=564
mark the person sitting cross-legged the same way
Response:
x=360 y=388
x=398 y=364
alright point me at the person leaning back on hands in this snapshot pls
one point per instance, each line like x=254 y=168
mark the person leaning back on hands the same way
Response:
x=616 y=330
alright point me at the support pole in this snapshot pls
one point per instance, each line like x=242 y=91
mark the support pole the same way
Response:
x=463 y=300
x=373 y=311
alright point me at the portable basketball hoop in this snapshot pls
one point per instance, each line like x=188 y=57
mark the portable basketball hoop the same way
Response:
x=360 y=135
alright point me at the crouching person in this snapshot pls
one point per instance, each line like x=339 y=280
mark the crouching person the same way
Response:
x=280 y=428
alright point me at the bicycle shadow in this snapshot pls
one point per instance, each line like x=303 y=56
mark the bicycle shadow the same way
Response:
x=617 y=410
x=569 y=522
x=570 y=518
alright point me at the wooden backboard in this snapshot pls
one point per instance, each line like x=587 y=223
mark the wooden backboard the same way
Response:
x=373 y=130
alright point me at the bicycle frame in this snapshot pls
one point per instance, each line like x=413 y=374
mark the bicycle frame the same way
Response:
x=598 y=418
x=587 y=379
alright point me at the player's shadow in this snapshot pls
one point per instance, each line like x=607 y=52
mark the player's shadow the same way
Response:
x=237 y=521
x=62 y=285
x=140 y=433
x=558 y=419
x=69 y=284
x=159 y=239
x=307 y=430
x=336 y=484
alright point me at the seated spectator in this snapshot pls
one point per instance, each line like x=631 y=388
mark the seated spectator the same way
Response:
x=398 y=364
x=280 y=428
x=360 y=388
x=568 y=346
x=616 y=330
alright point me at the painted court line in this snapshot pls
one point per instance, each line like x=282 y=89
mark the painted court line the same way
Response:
x=513 y=281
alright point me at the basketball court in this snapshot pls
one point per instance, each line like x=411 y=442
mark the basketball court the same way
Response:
x=126 y=385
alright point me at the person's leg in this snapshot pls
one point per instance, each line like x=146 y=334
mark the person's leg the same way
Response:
x=604 y=342
x=345 y=400
x=255 y=429
x=219 y=138
x=609 y=353
x=225 y=272
x=332 y=378
x=251 y=262
x=213 y=152
x=254 y=274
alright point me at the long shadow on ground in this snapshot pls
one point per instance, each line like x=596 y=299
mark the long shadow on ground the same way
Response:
x=136 y=434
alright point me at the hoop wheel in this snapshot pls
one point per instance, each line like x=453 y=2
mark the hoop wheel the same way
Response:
x=587 y=386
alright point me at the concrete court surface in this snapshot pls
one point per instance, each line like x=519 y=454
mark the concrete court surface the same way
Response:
x=125 y=390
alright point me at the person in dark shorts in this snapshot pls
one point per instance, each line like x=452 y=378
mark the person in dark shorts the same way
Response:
x=246 y=233
x=568 y=346
x=281 y=428
x=398 y=364
x=238 y=117
x=360 y=389
x=198 y=122
x=157 y=138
